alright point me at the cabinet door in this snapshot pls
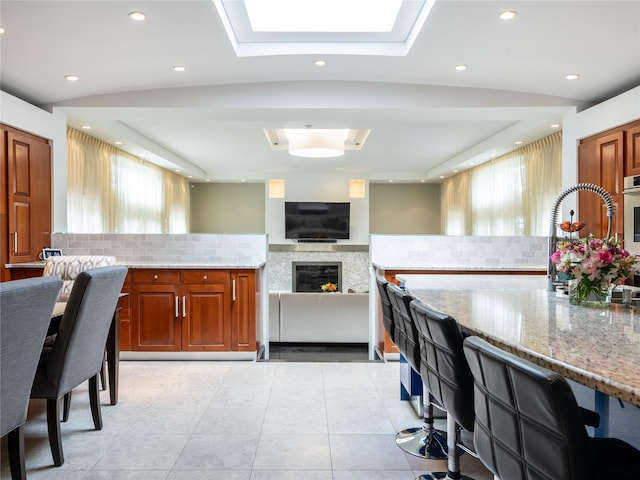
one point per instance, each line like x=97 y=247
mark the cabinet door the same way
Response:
x=601 y=163
x=205 y=318
x=28 y=195
x=243 y=318
x=632 y=152
x=155 y=324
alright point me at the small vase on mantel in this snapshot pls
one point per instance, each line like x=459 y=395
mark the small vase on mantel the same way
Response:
x=587 y=294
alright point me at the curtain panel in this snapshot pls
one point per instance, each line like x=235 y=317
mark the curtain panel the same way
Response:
x=510 y=195
x=112 y=191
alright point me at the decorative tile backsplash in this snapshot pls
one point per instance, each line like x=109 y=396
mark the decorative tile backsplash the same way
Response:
x=168 y=249
x=441 y=251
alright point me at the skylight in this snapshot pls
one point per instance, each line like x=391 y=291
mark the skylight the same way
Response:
x=356 y=27
x=322 y=15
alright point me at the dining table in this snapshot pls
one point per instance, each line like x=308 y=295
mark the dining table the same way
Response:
x=112 y=347
x=596 y=347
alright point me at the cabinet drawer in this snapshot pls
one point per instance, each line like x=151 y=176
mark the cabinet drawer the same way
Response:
x=205 y=277
x=151 y=277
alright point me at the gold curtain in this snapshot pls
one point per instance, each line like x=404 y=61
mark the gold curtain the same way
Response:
x=111 y=191
x=511 y=195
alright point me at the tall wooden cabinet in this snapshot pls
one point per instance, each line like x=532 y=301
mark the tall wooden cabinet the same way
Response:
x=604 y=160
x=25 y=210
x=193 y=310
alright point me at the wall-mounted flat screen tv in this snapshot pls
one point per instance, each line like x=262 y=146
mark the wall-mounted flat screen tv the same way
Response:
x=317 y=220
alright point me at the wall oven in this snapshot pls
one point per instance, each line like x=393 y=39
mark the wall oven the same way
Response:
x=631 y=194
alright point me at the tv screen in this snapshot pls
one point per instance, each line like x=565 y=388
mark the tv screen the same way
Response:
x=317 y=220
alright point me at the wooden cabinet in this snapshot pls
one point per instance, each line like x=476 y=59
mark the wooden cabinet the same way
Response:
x=206 y=311
x=601 y=162
x=26 y=196
x=632 y=150
x=193 y=310
x=243 y=313
x=604 y=160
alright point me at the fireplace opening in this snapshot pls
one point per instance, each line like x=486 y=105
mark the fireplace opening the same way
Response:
x=310 y=276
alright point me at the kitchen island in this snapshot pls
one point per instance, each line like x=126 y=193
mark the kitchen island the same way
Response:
x=599 y=348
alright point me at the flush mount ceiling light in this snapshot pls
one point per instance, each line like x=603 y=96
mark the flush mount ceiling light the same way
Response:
x=319 y=27
x=315 y=142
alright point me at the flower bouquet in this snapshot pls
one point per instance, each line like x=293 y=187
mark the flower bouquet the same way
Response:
x=595 y=265
x=329 y=287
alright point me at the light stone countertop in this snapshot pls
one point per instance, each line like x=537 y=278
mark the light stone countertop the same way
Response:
x=212 y=266
x=599 y=348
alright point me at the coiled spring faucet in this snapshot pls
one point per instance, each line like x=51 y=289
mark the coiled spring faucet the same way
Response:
x=589 y=187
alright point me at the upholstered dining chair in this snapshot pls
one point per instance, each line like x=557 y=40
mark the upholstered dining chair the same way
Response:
x=67 y=267
x=528 y=424
x=77 y=352
x=425 y=441
x=445 y=370
x=26 y=307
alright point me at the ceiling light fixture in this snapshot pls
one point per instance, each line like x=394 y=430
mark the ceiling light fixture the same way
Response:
x=572 y=76
x=316 y=142
x=507 y=14
x=137 y=16
x=320 y=63
x=179 y=68
x=322 y=15
x=2 y=30
x=461 y=68
x=72 y=78
x=555 y=125
x=86 y=127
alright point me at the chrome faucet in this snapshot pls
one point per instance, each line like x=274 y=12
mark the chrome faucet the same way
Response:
x=589 y=187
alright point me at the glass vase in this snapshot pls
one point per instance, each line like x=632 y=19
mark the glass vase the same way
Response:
x=588 y=295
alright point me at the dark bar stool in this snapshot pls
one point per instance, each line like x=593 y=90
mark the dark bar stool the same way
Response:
x=445 y=369
x=528 y=424
x=424 y=441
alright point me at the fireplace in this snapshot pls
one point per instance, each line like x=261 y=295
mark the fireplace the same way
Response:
x=310 y=276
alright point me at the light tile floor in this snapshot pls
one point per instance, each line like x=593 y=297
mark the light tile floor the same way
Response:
x=238 y=421
x=248 y=421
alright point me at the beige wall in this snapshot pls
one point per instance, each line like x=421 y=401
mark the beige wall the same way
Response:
x=404 y=208
x=227 y=208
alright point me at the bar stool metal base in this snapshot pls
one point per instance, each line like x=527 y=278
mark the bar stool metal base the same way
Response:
x=438 y=475
x=423 y=444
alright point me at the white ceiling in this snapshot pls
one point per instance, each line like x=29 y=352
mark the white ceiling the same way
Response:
x=426 y=118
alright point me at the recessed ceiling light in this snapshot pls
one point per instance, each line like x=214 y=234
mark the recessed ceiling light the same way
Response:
x=2 y=30
x=390 y=181
x=320 y=63
x=86 y=127
x=422 y=180
x=507 y=14
x=137 y=16
x=455 y=171
x=190 y=176
x=441 y=176
x=572 y=76
x=518 y=142
x=118 y=142
x=555 y=125
x=208 y=180
x=242 y=181
x=177 y=170
x=461 y=68
x=179 y=68
x=72 y=78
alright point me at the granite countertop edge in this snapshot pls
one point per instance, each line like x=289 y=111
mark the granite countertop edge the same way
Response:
x=511 y=268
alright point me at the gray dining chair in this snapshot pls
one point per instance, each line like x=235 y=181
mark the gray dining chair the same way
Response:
x=78 y=350
x=26 y=307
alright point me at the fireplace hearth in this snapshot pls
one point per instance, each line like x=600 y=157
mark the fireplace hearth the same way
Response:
x=310 y=276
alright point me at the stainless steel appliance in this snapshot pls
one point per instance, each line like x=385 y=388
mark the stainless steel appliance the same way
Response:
x=631 y=194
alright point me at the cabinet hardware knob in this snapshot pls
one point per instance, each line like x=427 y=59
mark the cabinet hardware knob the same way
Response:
x=155 y=277
x=177 y=312
x=233 y=290
x=204 y=277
